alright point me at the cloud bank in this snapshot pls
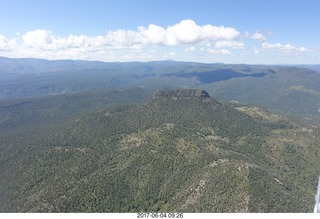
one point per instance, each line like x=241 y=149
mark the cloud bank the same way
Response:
x=284 y=48
x=185 y=32
x=145 y=43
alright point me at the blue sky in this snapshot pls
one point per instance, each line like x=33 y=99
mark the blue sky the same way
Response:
x=229 y=31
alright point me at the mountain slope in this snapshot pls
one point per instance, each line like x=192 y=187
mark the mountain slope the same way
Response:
x=180 y=151
x=290 y=90
x=29 y=112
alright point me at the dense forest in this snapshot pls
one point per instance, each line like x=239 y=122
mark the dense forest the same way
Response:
x=178 y=151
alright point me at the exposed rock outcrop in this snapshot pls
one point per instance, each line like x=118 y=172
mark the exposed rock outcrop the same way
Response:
x=181 y=93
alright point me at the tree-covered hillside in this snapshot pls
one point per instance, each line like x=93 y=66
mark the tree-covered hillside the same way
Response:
x=180 y=151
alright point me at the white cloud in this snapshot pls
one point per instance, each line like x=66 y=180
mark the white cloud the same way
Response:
x=182 y=33
x=185 y=32
x=219 y=51
x=184 y=40
x=284 y=48
x=256 y=50
x=40 y=39
x=190 y=49
x=258 y=36
x=231 y=44
x=44 y=44
x=3 y=43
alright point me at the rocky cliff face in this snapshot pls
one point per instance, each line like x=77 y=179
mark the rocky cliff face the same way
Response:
x=181 y=93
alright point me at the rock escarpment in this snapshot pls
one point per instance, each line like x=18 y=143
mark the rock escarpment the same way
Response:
x=181 y=93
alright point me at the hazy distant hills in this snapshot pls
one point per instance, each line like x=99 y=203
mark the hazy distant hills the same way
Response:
x=284 y=89
x=29 y=112
x=289 y=90
x=179 y=151
x=83 y=136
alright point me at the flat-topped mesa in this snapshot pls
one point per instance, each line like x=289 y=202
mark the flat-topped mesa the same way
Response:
x=181 y=93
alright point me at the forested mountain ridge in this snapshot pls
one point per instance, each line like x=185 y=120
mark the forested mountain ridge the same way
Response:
x=181 y=150
x=290 y=90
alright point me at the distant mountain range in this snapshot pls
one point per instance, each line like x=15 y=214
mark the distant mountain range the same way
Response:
x=292 y=90
x=83 y=136
x=179 y=151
